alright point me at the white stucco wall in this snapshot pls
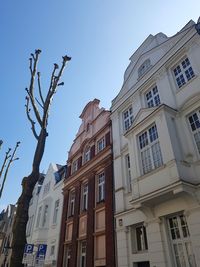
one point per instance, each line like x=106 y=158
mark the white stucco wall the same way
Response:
x=49 y=233
x=173 y=188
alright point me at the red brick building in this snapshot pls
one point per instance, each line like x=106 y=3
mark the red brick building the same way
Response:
x=87 y=231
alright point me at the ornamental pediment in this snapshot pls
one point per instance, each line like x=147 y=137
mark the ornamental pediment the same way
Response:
x=142 y=114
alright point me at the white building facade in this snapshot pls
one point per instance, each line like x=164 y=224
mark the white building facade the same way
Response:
x=45 y=213
x=156 y=146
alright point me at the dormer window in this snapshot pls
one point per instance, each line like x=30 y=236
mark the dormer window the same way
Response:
x=144 y=67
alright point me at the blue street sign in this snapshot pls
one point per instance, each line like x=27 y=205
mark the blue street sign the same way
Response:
x=42 y=248
x=28 y=248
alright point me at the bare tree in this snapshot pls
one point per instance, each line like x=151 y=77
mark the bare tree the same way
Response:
x=37 y=111
x=8 y=159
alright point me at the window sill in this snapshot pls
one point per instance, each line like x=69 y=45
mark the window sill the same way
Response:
x=151 y=172
x=83 y=212
x=70 y=217
x=101 y=201
x=136 y=252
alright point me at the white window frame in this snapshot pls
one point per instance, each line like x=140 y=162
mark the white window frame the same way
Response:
x=100 y=187
x=45 y=214
x=56 y=209
x=87 y=154
x=128 y=172
x=39 y=217
x=101 y=143
x=67 y=256
x=152 y=97
x=29 y=225
x=183 y=72
x=46 y=188
x=150 y=151
x=194 y=124
x=74 y=166
x=139 y=239
x=127 y=117
x=180 y=240
x=71 y=205
x=144 y=67
x=52 y=251
x=84 y=199
x=83 y=248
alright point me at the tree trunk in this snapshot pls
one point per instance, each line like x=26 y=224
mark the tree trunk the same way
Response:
x=21 y=217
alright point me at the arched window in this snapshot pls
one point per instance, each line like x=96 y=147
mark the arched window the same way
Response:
x=144 y=67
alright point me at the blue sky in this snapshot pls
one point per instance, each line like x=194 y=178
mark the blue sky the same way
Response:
x=99 y=35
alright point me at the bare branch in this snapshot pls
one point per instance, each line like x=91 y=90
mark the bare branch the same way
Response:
x=39 y=103
x=39 y=87
x=31 y=86
x=30 y=119
x=33 y=56
x=53 y=88
x=62 y=83
x=53 y=75
x=30 y=65
x=1 y=142
x=12 y=158
x=7 y=156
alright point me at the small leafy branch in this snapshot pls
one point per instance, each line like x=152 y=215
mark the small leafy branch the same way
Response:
x=8 y=159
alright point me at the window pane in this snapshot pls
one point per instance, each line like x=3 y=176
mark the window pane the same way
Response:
x=190 y=254
x=146 y=160
x=183 y=72
x=128 y=118
x=153 y=133
x=157 y=156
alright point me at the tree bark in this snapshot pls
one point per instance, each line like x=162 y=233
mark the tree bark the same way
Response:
x=21 y=217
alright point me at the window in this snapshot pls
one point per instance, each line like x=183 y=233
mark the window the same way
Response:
x=152 y=97
x=46 y=188
x=84 y=204
x=180 y=241
x=128 y=172
x=101 y=187
x=55 y=214
x=29 y=225
x=71 y=204
x=52 y=251
x=87 y=154
x=67 y=256
x=83 y=254
x=101 y=144
x=151 y=156
x=183 y=72
x=144 y=67
x=45 y=215
x=194 y=120
x=128 y=118
x=39 y=216
x=75 y=166
x=139 y=238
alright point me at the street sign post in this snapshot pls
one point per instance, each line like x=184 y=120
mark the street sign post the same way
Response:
x=28 y=254
x=40 y=255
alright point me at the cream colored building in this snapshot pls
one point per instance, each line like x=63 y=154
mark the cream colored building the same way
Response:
x=156 y=145
x=45 y=213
